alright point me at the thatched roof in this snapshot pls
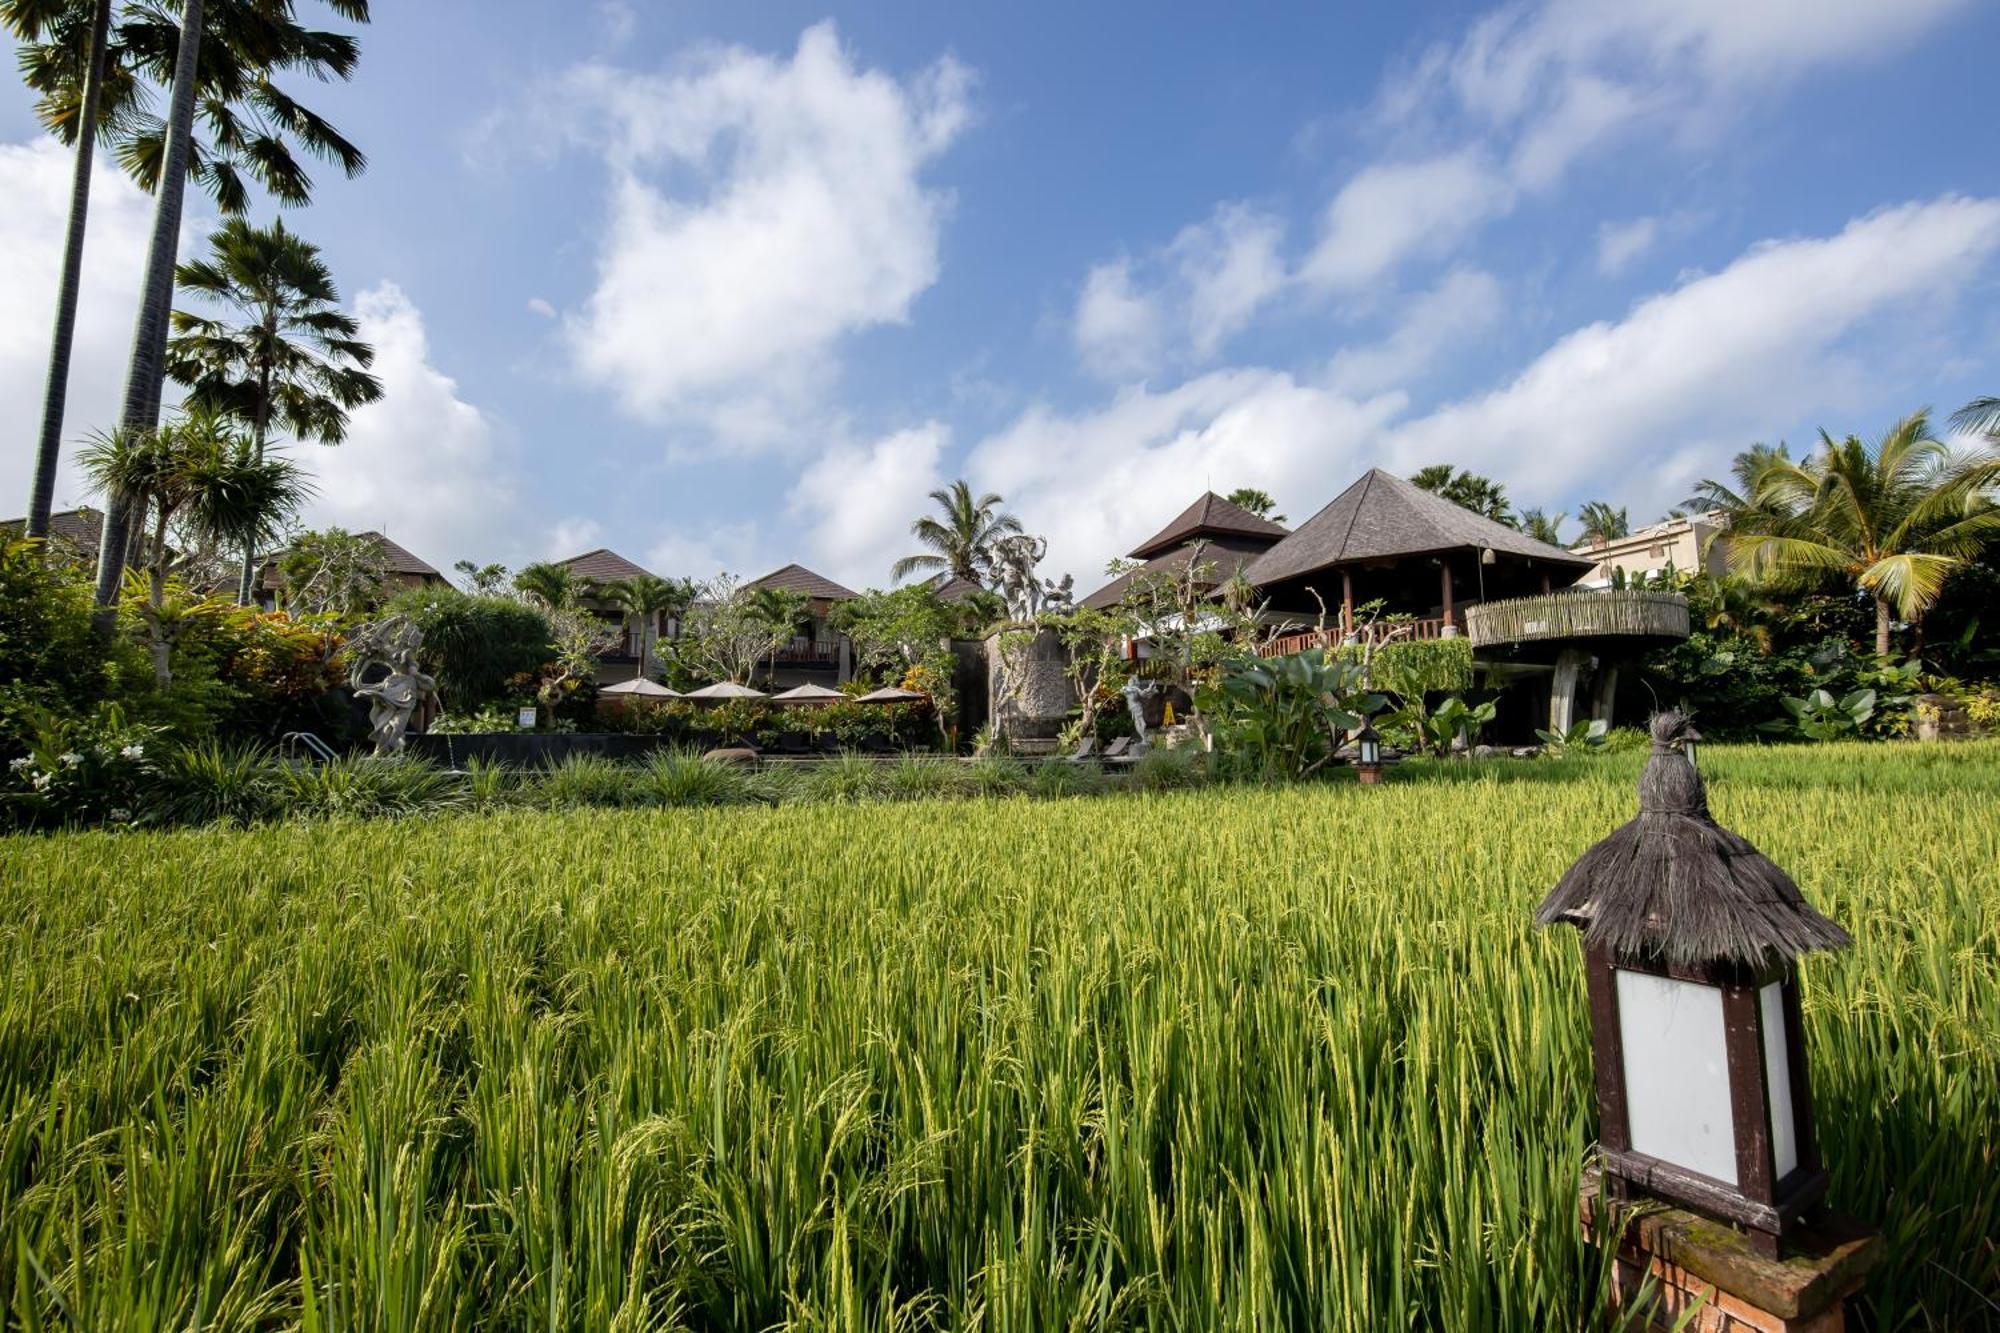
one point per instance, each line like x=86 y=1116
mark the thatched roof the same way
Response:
x=797 y=578
x=1228 y=555
x=1209 y=516
x=1675 y=885
x=396 y=559
x=1383 y=516
x=953 y=588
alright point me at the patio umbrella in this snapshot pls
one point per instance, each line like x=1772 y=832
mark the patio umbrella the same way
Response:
x=808 y=694
x=891 y=694
x=727 y=689
x=641 y=688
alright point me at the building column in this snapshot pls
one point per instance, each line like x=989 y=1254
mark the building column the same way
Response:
x=1346 y=602
x=844 y=670
x=1444 y=579
x=1605 y=698
x=1570 y=664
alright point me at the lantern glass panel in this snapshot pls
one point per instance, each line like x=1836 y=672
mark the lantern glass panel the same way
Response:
x=1677 y=1073
x=1371 y=752
x=1778 y=1078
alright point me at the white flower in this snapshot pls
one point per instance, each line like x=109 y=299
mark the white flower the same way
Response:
x=41 y=781
x=71 y=759
x=16 y=765
x=133 y=752
x=121 y=816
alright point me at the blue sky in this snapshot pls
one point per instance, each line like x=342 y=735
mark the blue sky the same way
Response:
x=724 y=286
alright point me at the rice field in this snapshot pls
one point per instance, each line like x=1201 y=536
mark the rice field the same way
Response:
x=1224 y=1059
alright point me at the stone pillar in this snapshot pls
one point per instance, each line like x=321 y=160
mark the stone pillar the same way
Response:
x=844 y=671
x=1570 y=664
x=1027 y=686
x=1605 y=698
x=1444 y=578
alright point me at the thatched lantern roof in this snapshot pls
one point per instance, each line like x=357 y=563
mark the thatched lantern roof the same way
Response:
x=1674 y=885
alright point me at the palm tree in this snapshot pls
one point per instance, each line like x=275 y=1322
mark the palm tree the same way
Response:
x=645 y=599
x=1257 y=502
x=1602 y=523
x=1468 y=490
x=555 y=586
x=482 y=580
x=199 y=475
x=1981 y=416
x=248 y=119
x=291 y=357
x=780 y=611
x=1897 y=517
x=962 y=543
x=1543 y=527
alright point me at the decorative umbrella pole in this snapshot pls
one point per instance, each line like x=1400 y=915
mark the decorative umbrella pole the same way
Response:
x=1691 y=941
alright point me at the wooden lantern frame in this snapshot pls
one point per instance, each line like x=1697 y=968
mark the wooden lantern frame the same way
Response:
x=1765 y=1206
x=1368 y=757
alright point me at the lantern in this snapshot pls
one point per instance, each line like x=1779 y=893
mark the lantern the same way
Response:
x=1368 y=759
x=1691 y=941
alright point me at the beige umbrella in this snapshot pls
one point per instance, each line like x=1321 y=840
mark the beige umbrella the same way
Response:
x=808 y=694
x=641 y=688
x=727 y=689
x=892 y=694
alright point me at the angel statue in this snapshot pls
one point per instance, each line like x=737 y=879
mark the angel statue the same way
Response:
x=393 y=698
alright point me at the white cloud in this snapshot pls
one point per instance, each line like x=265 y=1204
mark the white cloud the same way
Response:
x=1719 y=361
x=1463 y=304
x=1231 y=266
x=1117 y=328
x=1619 y=243
x=700 y=554
x=539 y=306
x=421 y=464
x=1633 y=410
x=35 y=183
x=572 y=536
x=857 y=502
x=1390 y=213
x=762 y=210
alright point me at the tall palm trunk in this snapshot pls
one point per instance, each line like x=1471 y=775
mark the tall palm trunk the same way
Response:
x=41 y=494
x=1882 y=622
x=246 y=585
x=143 y=380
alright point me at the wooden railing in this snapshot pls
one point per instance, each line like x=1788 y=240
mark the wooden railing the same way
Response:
x=1305 y=640
x=1579 y=614
x=810 y=650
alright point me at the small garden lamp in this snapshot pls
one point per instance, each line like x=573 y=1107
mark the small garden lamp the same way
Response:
x=1368 y=757
x=1691 y=942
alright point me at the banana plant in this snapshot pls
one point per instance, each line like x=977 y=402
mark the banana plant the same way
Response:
x=1586 y=736
x=1285 y=717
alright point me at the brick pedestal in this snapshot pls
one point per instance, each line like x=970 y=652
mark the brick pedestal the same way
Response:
x=1707 y=1267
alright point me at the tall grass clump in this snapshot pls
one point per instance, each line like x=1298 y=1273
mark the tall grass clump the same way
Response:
x=1241 y=1058
x=363 y=786
x=211 y=782
x=580 y=780
x=1171 y=768
x=845 y=777
x=916 y=777
x=683 y=777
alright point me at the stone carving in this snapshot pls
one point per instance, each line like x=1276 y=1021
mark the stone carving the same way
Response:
x=1136 y=693
x=395 y=697
x=1027 y=595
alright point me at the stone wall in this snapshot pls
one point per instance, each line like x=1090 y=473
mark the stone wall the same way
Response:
x=1029 y=694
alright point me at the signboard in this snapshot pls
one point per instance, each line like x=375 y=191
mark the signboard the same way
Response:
x=525 y=719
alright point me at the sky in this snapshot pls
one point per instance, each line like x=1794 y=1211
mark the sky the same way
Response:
x=725 y=286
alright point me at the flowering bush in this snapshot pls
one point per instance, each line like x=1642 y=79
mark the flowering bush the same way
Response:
x=79 y=771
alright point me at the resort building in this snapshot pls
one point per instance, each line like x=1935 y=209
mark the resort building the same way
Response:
x=401 y=570
x=1227 y=537
x=73 y=533
x=817 y=653
x=1685 y=544
x=622 y=661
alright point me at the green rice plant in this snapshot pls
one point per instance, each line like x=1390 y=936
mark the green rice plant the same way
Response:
x=488 y=784
x=915 y=777
x=1237 y=1058
x=845 y=777
x=210 y=782
x=1171 y=768
x=996 y=775
x=1057 y=778
x=364 y=786
x=683 y=777
x=578 y=781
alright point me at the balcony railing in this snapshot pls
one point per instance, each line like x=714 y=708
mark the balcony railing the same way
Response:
x=1287 y=644
x=810 y=650
x=1580 y=614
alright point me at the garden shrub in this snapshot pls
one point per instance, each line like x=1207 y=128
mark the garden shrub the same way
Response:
x=213 y=782
x=996 y=775
x=586 y=780
x=482 y=650
x=1058 y=778
x=364 y=786
x=845 y=777
x=77 y=770
x=681 y=778
x=1176 y=768
x=915 y=777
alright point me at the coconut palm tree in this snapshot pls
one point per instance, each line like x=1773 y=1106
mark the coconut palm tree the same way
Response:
x=556 y=586
x=1897 y=517
x=1467 y=490
x=1981 y=416
x=645 y=599
x=962 y=542
x=780 y=611
x=226 y=67
x=285 y=356
x=1602 y=523
x=199 y=475
x=1543 y=527
x=1256 y=501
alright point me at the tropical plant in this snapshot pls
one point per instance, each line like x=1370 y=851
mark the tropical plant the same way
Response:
x=1602 y=523
x=333 y=572
x=1257 y=502
x=283 y=356
x=225 y=65
x=481 y=650
x=482 y=580
x=1586 y=736
x=1897 y=518
x=1981 y=416
x=962 y=542
x=1543 y=527
x=1284 y=717
x=1468 y=490
x=199 y=472
x=212 y=782
x=1451 y=723
x=549 y=583
x=780 y=611
x=1821 y=716
x=723 y=637
x=646 y=600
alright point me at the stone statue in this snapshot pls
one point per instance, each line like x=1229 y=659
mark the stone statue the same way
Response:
x=396 y=696
x=1136 y=693
x=1027 y=596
